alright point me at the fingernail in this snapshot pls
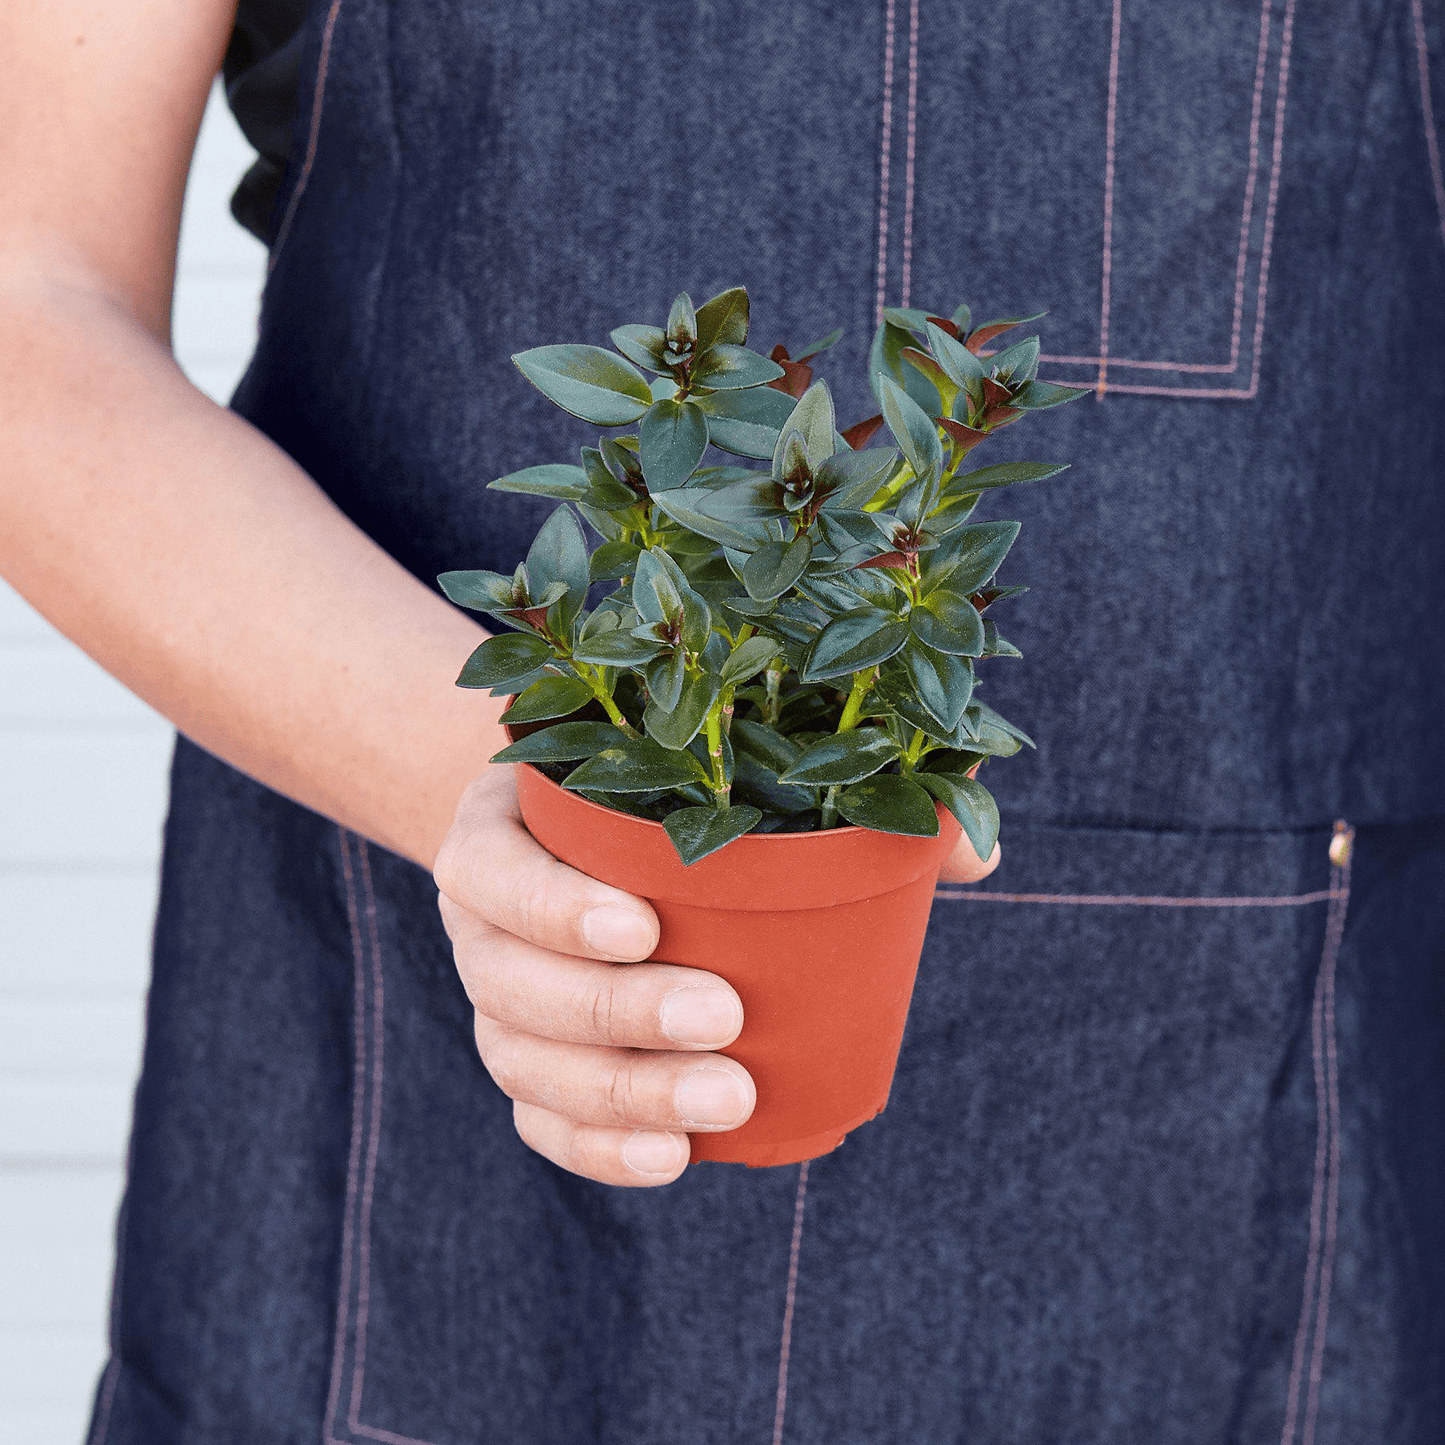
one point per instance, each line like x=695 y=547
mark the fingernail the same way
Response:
x=648 y=1152
x=711 y=1096
x=701 y=1014
x=619 y=932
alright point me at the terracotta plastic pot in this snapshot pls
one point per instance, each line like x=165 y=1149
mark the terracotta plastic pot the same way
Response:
x=819 y=933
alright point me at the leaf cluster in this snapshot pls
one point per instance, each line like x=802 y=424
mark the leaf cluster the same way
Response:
x=728 y=648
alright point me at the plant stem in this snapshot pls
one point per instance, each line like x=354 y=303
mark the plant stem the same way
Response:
x=721 y=789
x=592 y=677
x=915 y=747
x=853 y=708
x=830 y=806
x=773 y=681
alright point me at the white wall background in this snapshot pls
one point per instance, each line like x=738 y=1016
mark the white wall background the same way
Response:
x=82 y=799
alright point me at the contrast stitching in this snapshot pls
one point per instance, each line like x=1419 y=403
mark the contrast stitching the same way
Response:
x=1142 y=900
x=317 y=100
x=908 y=167
x=1427 y=110
x=884 y=161
x=786 y=1348
x=1108 y=259
x=353 y=1163
x=1325 y=1194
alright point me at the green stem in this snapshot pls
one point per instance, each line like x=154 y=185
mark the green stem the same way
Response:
x=720 y=786
x=915 y=748
x=853 y=708
x=592 y=676
x=773 y=681
x=830 y=806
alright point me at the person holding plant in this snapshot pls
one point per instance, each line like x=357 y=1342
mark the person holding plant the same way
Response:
x=1162 y=1157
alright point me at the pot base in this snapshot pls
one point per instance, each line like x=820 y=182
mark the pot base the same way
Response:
x=714 y=1148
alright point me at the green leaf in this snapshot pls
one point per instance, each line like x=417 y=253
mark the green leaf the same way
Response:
x=1040 y=395
x=673 y=439
x=1004 y=474
x=724 y=319
x=635 y=765
x=503 y=660
x=913 y=429
x=994 y=645
x=682 y=320
x=949 y=623
x=587 y=381
x=985 y=331
x=562 y=743
x=1019 y=362
x=890 y=804
x=749 y=659
x=676 y=726
x=813 y=418
x=732 y=368
x=775 y=567
x=696 y=832
x=614 y=559
x=831 y=339
x=548 y=697
x=550 y=480
x=843 y=758
x=850 y=479
x=656 y=593
x=747 y=423
x=620 y=648
x=478 y=591
x=962 y=367
x=884 y=359
x=665 y=676
x=765 y=743
x=969 y=556
x=858 y=639
x=642 y=344
x=971 y=803
x=559 y=554
x=943 y=683
x=756 y=782
x=987 y=717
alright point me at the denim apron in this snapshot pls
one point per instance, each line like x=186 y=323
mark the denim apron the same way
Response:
x=1165 y=1154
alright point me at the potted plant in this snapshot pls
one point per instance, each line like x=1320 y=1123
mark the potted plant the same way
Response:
x=769 y=725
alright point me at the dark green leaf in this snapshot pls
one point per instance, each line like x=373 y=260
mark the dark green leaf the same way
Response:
x=619 y=648
x=958 y=362
x=642 y=344
x=994 y=645
x=890 y=804
x=749 y=659
x=831 y=339
x=913 y=429
x=943 y=683
x=1039 y=395
x=587 y=381
x=851 y=478
x=550 y=480
x=748 y=422
x=969 y=556
x=712 y=514
x=657 y=587
x=673 y=439
x=755 y=781
x=843 y=758
x=858 y=639
x=634 y=765
x=562 y=743
x=989 y=718
x=665 y=676
x=559 y=554
x=1019 y=362
x=696 y=832
x=614 y=559
x=775 y=567
x=733 y=368
x=676 y=726
x=949 y=623
x=682 y=320
x=971 y=803
x=724 y=318
x=478 y=591
x=1004 y=474
x=548 y=697
x=504 y=660
x=813 y=418
x=884 y=359
x=765 y=743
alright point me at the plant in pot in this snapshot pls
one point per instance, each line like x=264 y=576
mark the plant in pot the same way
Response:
x=753 y=701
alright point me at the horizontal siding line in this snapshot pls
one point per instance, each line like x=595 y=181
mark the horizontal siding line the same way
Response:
x=62 y=867
x=60 y=1162
x=84 y=726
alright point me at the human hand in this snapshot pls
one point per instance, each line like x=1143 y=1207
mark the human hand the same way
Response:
x=963 y=865
x=607 y=1059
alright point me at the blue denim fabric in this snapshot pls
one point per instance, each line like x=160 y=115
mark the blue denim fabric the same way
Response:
x=1164 y=1153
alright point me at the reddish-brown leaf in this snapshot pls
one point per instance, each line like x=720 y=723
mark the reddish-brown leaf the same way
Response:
x=858 y=434
x=887 y=559
x=964 y=438
x=944 y=324
x=995 y=394
x=985 y=334
x=797 y=376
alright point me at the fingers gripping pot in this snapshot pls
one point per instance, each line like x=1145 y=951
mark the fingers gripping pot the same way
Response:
x=825 y=988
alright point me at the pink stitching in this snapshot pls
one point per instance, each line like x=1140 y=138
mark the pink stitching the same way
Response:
x=1334 y=936
x=1133 y=900
x=883 y=164
x=317 y=98
x=908 y=168
x=353 y=1163
x=1320 y=1263
x=1109 y=197
x=786 y=1348
x=1427 y=110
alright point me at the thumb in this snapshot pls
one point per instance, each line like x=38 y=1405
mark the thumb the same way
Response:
x=963 y=865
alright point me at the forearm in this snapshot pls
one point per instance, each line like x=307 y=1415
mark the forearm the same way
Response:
x=195 y=561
